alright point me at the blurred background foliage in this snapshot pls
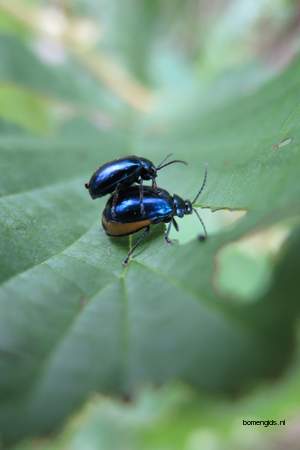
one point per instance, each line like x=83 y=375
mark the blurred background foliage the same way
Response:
x=72 y=71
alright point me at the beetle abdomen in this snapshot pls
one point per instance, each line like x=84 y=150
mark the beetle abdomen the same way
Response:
x=123 y=229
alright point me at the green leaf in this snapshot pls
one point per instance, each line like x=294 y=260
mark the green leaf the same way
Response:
x=177 y=417
x=9 y=24
x=73 y=321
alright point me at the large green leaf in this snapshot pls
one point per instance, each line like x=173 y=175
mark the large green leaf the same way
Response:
x=74 y=321
x=174 y=417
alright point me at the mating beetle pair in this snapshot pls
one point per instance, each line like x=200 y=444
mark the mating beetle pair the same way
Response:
x=131 y=207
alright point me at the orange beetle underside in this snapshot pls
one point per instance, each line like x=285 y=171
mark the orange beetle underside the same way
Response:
x=122 y=229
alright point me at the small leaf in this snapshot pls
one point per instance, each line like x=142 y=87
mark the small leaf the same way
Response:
x=25 y=108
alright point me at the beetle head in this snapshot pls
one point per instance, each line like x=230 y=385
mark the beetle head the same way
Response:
x=149 y=171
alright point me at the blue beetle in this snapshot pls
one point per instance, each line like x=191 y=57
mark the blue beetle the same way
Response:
x=118 y=174
x=160 y=207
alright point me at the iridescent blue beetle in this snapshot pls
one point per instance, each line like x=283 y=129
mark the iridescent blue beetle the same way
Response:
x=117 y=175
x=159 y=205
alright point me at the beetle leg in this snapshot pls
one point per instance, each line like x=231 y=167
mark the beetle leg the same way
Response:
x=175 y=224
x=142 y=208
x=114 y=202
x=168 y=241
x=139 y=240
x=154 y=185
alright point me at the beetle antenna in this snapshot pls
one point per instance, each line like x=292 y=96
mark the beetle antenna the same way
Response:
x=164 y=160
x=201 y=221
x=172 y=162
x=86 y=185
x=202 y=186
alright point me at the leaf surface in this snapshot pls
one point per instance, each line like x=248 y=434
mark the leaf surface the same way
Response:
x=73 y=321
